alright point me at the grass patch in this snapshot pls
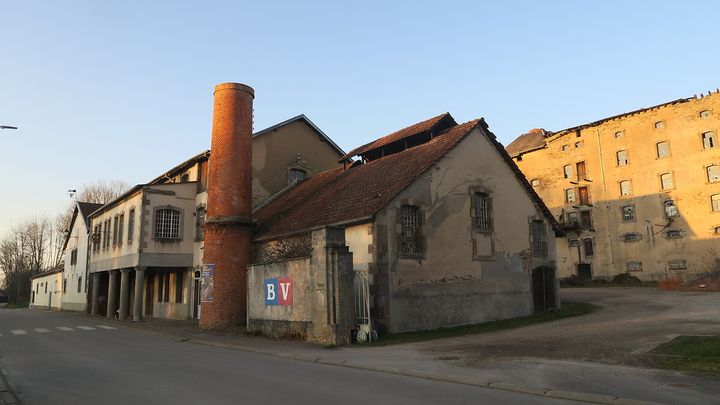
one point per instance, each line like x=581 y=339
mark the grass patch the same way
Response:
x=689 y=353
x=568 y=309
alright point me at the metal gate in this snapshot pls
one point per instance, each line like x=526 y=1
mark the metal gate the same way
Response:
x=363 y=330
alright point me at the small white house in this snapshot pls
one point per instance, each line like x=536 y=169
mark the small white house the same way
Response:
x=47 y=289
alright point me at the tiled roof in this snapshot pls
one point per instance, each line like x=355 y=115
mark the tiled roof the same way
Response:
x=414 y=129
x=341 y=195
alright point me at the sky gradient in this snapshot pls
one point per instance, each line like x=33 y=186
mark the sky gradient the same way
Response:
x=123 y=90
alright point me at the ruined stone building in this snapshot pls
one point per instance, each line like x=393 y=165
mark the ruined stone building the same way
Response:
x=638 y=192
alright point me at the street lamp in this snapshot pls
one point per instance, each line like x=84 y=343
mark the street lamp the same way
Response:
x=7 y=127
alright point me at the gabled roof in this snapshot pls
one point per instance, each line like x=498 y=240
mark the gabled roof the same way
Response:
x=534 y=139
x=353 y=195
x=341 y=195
x=84 y=209
x=203 y=156
x=47 y=272
x=435 y=124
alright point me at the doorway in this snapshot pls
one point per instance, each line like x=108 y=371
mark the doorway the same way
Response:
x=149 y=295
x=544 y=293
x=584 y=273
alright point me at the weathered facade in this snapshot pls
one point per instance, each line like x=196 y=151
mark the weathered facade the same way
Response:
x=147 y=247
x=437 y=219
x=638 y=192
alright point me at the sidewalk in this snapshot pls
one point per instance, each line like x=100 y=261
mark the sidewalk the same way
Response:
x=573 y=380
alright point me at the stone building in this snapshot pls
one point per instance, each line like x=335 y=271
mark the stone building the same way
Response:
x=436 y=217
x=147 y=245
x=638 y=192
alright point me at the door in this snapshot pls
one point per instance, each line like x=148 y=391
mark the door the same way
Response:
x=543 y=289
x=584 y=273
x=149 y=295
x=584 y=196
x=581 y=171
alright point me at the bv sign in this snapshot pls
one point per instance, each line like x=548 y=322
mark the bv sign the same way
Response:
x=278 y=291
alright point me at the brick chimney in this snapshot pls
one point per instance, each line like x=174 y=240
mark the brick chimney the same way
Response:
x=228 y=228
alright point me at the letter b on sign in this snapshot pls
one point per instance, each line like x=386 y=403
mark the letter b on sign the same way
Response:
x=271 y=291
x=278 y=291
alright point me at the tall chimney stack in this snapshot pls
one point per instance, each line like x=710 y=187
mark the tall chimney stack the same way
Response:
x=228 y=228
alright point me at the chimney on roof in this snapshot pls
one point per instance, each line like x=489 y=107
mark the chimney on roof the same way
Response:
x=228 y=228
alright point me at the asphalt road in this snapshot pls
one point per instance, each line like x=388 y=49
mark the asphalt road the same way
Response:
x=57 y=358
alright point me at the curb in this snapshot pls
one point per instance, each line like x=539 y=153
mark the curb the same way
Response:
x=6 y=393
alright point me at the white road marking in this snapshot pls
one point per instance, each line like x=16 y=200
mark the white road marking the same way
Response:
x=65 y=329
x=106 y=327
x=42 y=330
x=18 y=332
x=86 y=327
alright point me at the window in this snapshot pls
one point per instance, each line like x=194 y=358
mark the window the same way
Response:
x=625 y=187
x=46 y=288
x=631 y=237
x=713 y=173
x=633 y=266
x=584 y=195
x=660 y=125
x=573 y=243
x=64 y=285
x=677 y=264
x=709 y=140
x=715 y=202
x=115 y=231
x=167 y=224
x=539 y=242
x=622 y=157
x=674 y=234
x=586 y=219
x=572 y=218
x=662 y=149
x=96 y=238
x=619 y=134
x=73 y=257
x=570 y=195
x=200 y=224
x=579 y=144
x=410 y=224
x=717 y=230
x=565 y=148
x=666 y=181
x=670 y=209
x=628 y=213
x=580 y=169
x=535 y=183
x=131 y=224
x=296 y=175
x=179 y=287
x=704 y=114
x=184 y=178
x=121 y=225
x=79 y=289
x=567 y=170
x=483 y=220
x=588 y=246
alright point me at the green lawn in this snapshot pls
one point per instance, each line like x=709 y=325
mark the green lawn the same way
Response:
x=689 y=353
x=568 y=309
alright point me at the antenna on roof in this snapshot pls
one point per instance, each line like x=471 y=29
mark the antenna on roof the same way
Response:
x=72 y=193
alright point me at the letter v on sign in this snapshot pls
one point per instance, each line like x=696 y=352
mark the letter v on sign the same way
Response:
x=285 y=294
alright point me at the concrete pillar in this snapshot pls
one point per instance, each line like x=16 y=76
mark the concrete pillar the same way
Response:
x=95 y=304
x=228 y=226
x=139 y=283
x=112 y=292
x=124 y=292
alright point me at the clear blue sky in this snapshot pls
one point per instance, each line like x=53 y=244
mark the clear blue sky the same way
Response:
x=123 y=90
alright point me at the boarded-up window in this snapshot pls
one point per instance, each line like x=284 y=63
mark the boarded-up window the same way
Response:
x=663 y=149
x=567 y=171
x=584 y=195
x=628 y=213
x=633 y=266
x=713 y=173
x=715 y=202
x=410 y=224
x=677 y=264
x=481 y=208
x=588 y=246
x=666 y=181
x=709 y=140
x=570 y=195
x=622 y=157
x=625 y=187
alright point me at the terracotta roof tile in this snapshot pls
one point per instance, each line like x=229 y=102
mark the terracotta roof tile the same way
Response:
x=414 y=129
x=340 y=195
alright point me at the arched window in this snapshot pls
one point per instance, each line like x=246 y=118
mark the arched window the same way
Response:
x=296 y=175
x=167 y=224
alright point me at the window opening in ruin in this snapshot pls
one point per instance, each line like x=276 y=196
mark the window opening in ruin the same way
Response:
x=709 y=140
x=666 y=181
x=713 y=173
x=663 y=149
x=619 y=134
x=567 y=170
x=625 y=188
x=622 y=158
x=715 y=202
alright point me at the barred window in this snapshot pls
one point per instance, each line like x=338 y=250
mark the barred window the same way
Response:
x=633 y=266
x=167 y=224
x=628 y=213
x=631 y=237
x=296 y=175
x=410 y=222
x=483 y=221
x=671 y=209
x=539 y=242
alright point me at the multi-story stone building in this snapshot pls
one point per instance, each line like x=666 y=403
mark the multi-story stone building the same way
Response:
x=638 y=192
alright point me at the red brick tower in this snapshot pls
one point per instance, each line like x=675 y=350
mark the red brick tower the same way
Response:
x=228 y=228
